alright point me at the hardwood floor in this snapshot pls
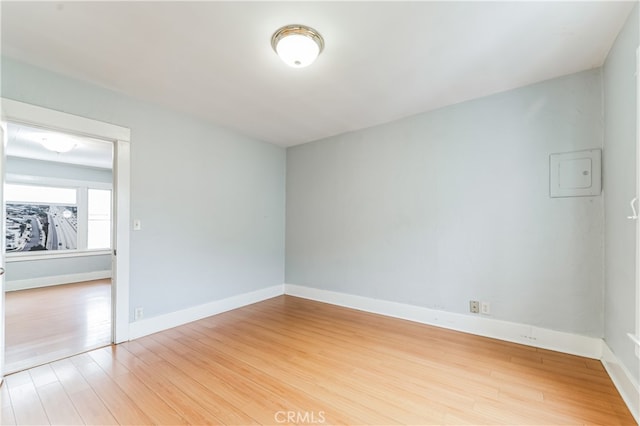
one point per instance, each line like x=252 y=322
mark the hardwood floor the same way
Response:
x=49 y=323
x=288 y=360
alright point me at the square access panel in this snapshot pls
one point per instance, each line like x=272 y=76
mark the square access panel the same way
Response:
x=575 y=174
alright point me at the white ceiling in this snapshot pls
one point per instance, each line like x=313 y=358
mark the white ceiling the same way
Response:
x=382 y=60
x=25 y=142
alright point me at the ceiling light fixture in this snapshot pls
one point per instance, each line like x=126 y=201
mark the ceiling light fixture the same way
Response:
x=297 y=45
x=58 y=145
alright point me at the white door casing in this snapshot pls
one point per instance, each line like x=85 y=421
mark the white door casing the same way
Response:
x=3 y=144
x=23 y=113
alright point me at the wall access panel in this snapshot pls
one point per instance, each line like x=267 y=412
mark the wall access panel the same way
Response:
x=575 y=174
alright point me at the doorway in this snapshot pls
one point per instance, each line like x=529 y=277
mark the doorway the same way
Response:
x=118 y=138
x=58 y=217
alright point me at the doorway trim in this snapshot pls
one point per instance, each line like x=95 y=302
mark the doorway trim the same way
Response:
x=23 y=113
x=636 y=337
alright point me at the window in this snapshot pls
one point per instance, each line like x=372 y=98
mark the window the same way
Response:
x=55 y=219
x=99 y=223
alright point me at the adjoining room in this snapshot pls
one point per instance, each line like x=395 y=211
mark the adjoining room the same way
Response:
x=58 y=197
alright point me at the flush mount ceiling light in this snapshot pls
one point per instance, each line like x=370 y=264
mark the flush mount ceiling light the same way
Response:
x=58 y=145
x=297 y=45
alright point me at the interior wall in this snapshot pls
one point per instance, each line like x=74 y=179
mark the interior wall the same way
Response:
x=210 y=201
x=49 y=169
x=620 y=112
x=453 y=205
x=41 y=272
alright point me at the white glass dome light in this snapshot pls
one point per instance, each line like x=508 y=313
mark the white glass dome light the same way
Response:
x=58 y=145
x=297 y=45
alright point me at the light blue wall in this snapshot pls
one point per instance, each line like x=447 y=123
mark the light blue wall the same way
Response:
x=211 y=201
x=30 y=167
x=453 y=205
x=44 y=268
x=619 y=188
x=27 y=270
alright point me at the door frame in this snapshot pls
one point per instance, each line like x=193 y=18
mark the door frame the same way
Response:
x=23 y=113
x=636 y=336
x=3 y=147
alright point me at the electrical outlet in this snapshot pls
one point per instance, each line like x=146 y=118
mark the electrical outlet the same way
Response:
x=485 y=308
x=474 y=306
x=138 y=313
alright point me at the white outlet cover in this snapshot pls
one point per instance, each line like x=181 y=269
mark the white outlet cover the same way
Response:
x=485 y=308
x=138 y=313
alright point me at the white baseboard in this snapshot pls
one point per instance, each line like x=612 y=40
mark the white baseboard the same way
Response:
x=626 y=384
x=56 y=280
x=575 y=344
x=148 y=326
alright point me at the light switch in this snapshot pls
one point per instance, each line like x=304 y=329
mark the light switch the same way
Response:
x=137 y=225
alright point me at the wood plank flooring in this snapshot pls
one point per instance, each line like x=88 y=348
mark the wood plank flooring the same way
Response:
x=49 y=323
x=289 y=360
